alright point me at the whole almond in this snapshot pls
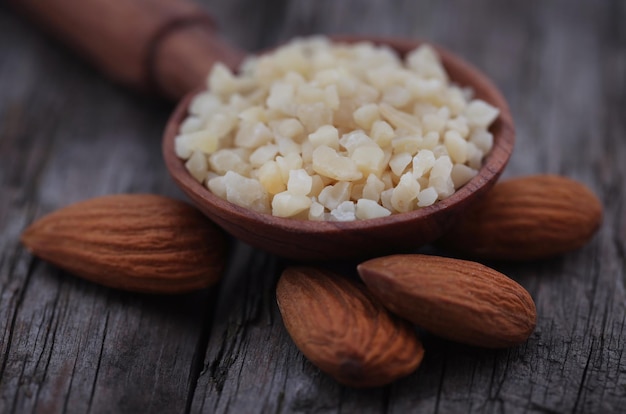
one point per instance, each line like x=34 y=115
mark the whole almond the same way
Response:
x=528 y=218
x=454 y=299
x=343 y=330
x=143 y=242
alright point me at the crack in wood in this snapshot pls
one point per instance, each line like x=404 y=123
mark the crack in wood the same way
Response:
x=584 y=377
x=97 y=371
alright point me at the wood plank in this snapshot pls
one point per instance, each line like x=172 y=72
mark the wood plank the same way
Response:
x=70 y=346
x=552 y=73
x=65 y=344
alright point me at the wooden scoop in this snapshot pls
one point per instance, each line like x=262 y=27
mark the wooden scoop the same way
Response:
x=170 y=46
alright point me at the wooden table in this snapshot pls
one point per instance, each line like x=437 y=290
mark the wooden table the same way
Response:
x=68 y=134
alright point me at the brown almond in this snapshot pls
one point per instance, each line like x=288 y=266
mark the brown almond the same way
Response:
x=143 y=242
x=343 y=330
x=455 y=299
x=528 y=218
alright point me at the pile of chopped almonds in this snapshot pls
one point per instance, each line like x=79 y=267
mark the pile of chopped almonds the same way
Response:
x=323 y=131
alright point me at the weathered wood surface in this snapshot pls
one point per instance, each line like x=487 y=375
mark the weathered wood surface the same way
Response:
x=67 y=134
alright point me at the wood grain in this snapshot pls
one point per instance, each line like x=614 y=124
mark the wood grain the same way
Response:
x=67 y=134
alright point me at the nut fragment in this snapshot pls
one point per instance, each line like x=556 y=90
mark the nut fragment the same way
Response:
x=455 y=299
x=342 y=112
x=343 y=330
x=142 y=242
x=528 y=218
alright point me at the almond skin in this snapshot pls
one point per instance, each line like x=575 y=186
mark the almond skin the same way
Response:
x=527 y=218
x=141 y=242
x=455 y=299
x=343 y=330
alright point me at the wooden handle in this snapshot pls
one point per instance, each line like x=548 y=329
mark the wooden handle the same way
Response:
x=167 y=45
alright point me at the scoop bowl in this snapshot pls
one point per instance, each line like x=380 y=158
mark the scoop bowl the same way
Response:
x=321 y=240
